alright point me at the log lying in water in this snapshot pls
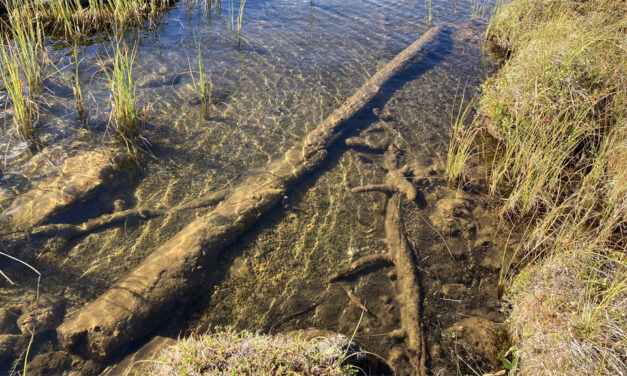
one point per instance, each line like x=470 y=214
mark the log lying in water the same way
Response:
x=409 y=296
x=174 y=273
x=79 y=178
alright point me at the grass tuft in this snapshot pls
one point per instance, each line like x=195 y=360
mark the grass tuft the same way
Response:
x=229 y=352
x=202 y=85
x=124 y=111
x=557 y=113
x=24 y=109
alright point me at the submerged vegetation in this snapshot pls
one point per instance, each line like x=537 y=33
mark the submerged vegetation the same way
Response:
x=124 y=110
x=23 y=107
x=552 y=128
x=228 y=352
x=78 y=93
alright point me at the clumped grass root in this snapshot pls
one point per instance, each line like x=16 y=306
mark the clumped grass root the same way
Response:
x=229 y=352
x=558 y=112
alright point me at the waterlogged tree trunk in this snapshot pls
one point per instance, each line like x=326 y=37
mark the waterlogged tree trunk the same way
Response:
x=178 y=270
x=408 y=286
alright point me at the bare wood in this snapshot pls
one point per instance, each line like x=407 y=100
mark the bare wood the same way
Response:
x=175 y=272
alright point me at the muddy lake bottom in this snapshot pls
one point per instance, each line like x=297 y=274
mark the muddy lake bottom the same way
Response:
x=295 y=65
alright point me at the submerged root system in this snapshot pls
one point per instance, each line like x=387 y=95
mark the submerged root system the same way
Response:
x=359 y=266
x=68 y=231
x=400 y=254
x=174 y=273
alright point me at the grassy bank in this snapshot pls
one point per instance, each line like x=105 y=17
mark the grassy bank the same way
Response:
x=555 y=117
x=228 y=352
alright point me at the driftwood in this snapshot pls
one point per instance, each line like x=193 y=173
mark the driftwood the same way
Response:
x=178 y=270
x=79 y=178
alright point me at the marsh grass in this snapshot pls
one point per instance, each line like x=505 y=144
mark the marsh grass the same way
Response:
x=460 y=150
x=75 y=23
x=26 y=37
x=240 y=17
x=557 y=112
x=202 y=84
x=24 y=109
x=124 y=110
x=429 y=15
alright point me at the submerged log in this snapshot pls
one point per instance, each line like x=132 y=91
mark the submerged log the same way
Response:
x=409 y=296
x=174 y=273
x=79 y=178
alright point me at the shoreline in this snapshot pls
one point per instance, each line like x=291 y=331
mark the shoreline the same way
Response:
x=556 y=113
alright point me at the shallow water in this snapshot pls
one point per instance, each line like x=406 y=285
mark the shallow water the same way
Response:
x=294 y=64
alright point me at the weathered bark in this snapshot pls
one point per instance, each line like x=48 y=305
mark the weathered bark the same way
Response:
x=174 y=273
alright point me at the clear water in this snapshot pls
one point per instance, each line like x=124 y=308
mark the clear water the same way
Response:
x=295 y=63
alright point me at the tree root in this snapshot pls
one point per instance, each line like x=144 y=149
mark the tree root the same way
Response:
x=395 y=180
x=69 y=232
x=409 y=296
x=360 y=265
x=356 y=301
x=175 y=273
